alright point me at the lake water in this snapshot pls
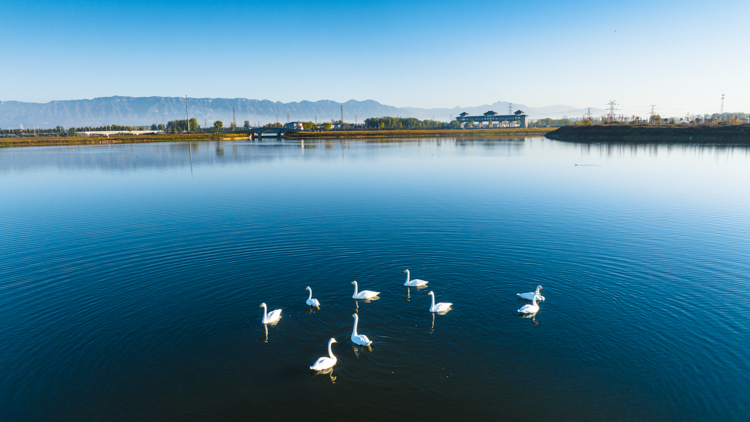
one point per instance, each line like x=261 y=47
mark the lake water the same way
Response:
x=130 y=279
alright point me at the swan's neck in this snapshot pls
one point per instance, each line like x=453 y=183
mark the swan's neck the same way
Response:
x=534 y=300
x=433 y=300
x=355 y=287
x=356 y=320
x=310 y=294
x=408 y=276
x=330 y=353
x=265 y=312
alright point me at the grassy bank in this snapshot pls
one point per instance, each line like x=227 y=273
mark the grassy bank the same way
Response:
x=710 y=133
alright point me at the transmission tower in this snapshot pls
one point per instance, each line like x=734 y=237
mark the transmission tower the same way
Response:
x=287 y=117
x=187 y=115
x=342 y=114
x=510 y=109
x=234 y=122
x=612 y=109
x=722 y=104
x=588 y=114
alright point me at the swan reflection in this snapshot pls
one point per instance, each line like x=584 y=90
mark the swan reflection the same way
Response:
x=265 y=340
x=328 y=372
x=532 y=316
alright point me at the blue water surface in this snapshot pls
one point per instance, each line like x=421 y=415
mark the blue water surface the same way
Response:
x=130 y=279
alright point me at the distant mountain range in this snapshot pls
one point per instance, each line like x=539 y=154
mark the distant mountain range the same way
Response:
x=148 y=110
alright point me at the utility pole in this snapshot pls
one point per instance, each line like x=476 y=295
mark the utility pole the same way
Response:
x=287 y=117
x=234 y=122
x=342 y=113
x=722 y=106
x=187 y=115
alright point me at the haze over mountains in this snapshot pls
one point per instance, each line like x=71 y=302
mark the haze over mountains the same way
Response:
x=148 y=110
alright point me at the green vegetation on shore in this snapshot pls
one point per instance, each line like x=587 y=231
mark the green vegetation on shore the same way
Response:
x=685 y=133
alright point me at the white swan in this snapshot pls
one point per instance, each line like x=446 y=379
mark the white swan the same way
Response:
x=269 y=317
x=310 y=301
x=325 y=362
x=364 y=294
x=414 y=283
x=530 y=309
x=438 y=307
x=360 y=339
x=530 y=295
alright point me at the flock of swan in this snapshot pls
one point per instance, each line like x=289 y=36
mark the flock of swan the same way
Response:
x=324 y=363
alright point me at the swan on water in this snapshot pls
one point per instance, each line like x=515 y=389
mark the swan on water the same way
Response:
x=414 y=283
x=269 y=317
x=360 y=339
x=325 y=362
x=310 y=301
x=530 y=295
x=364 y=294
x=530 y=309
x=439 y=307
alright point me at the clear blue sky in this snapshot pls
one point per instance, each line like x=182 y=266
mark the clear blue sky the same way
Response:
x=679 y=55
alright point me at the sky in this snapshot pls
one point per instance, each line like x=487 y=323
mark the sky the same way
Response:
x=680 y=56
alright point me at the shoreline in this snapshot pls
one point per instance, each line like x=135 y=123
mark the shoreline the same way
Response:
x=684 y=133
x=231 y=136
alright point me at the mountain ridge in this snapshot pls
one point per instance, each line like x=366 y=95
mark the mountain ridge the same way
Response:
x=140 y=111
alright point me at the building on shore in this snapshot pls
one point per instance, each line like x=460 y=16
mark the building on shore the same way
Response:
x=294 y=126
x=492 y=119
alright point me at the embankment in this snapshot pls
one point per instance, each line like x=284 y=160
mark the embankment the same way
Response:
x=447 y=133
x=710 y=133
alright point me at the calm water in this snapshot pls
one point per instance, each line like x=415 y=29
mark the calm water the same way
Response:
x=130 y=281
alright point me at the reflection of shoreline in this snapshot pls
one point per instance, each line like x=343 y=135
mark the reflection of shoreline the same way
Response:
x=358 y=134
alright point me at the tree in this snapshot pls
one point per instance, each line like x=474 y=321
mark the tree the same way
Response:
x=327 y=126
x=218 y=125
x=247 y=124
x=154 y=127
x=193 y=125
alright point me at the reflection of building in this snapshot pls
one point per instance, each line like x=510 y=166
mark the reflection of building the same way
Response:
x=519 y=118
x=294 y=126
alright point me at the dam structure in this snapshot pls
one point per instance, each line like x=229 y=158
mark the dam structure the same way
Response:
x=518 y=119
